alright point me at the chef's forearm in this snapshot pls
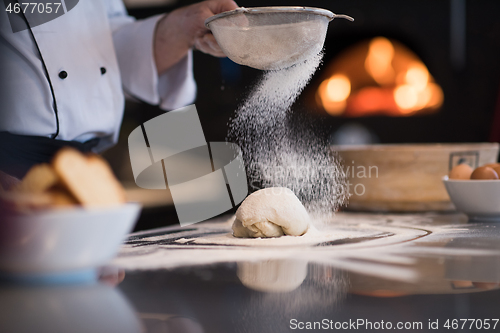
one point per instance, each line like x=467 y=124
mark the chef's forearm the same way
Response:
x=171 y=43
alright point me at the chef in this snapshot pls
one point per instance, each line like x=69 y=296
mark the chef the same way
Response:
x=63 y=82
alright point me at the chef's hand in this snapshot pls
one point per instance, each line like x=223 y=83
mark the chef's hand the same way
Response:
x=184 y=29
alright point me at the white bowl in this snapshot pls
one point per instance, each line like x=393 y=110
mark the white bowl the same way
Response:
x=64 y=240
x=479 y=199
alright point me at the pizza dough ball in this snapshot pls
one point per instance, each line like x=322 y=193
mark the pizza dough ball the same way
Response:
x=271 y=212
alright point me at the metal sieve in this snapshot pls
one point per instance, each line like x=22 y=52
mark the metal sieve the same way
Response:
x=271 y=38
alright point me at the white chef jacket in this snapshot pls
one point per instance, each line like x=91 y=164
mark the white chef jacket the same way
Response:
x=95 y=36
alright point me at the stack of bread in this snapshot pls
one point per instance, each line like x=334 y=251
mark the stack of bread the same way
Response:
x=71 y=179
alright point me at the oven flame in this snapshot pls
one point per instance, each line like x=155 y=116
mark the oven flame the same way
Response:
x=406 y=97
x=378 y=62
x=377 y=77
x=335 y=90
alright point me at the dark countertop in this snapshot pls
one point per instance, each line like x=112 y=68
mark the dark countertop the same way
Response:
x=407 y=269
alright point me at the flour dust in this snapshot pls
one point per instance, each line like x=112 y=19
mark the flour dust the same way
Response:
x=279 y=153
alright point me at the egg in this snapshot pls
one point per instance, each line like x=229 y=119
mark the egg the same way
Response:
x=492 y=165
x=484 y=172
x=497 y=169
x=461 y=171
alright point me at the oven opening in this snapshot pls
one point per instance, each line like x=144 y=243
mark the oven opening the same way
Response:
x=378 y=77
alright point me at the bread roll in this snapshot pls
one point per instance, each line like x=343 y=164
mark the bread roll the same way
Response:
x=88 y=178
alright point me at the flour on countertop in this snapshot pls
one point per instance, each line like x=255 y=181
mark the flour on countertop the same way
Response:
x=311 y=237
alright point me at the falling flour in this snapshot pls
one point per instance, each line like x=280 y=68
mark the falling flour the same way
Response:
x=277 y=152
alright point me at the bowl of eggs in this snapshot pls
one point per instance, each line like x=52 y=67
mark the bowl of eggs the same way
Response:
x=407 y=177
x=475 y=192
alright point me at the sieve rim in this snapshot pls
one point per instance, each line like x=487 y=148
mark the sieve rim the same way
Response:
x=278 y=9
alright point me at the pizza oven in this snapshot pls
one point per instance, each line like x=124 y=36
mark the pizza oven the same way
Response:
x=406 y=72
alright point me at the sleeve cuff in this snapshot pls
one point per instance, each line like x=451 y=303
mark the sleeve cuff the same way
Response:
x=177 y=87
